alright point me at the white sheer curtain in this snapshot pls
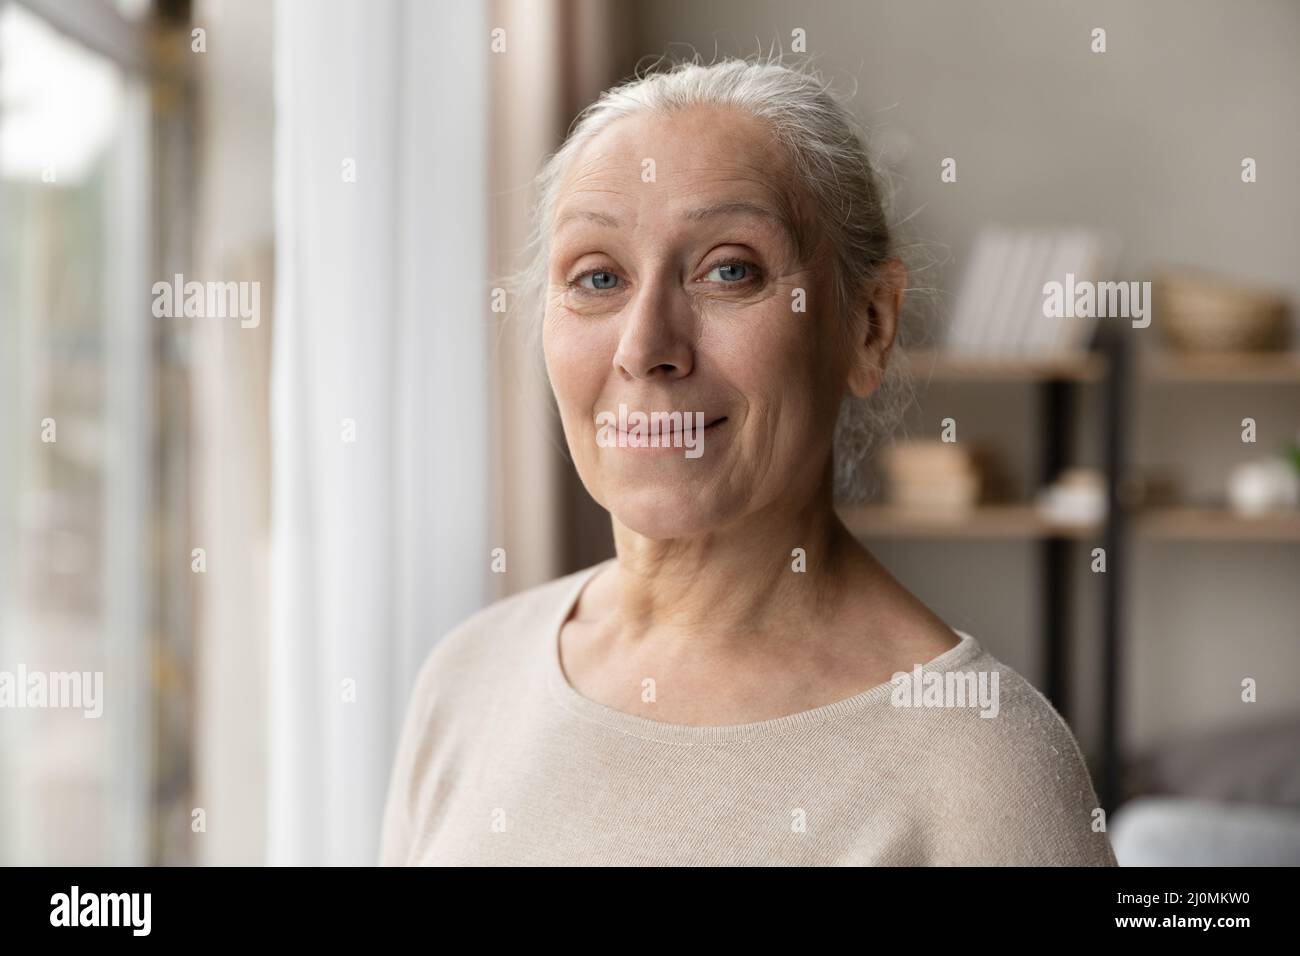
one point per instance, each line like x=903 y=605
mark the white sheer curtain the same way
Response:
x=379 y=396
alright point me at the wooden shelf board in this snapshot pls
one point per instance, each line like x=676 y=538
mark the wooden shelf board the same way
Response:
x=1261 y=368
x=1159 y=366
x=939 y=366
x=1015 y=521
x=1019 y=521
x=1187 y=523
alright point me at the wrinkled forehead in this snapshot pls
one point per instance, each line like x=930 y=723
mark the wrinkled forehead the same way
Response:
x=686 y=163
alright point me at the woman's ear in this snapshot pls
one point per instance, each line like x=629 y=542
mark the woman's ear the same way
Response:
x=874 y=337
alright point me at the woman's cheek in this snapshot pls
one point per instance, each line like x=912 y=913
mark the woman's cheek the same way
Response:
x=577 y=377
x=769 y=339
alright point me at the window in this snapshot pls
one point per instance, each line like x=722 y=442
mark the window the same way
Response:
x=76 y=450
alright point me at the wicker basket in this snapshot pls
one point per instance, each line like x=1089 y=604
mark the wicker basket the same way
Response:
x=1204 y=314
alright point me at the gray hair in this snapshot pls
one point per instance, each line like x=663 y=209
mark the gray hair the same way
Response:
x=832 y=164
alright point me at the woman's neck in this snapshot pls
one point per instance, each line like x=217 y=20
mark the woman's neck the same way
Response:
x=767 y=575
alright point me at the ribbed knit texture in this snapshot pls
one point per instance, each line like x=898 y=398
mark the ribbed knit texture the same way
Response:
x=502 y=762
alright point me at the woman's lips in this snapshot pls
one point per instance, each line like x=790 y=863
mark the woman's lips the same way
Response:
x=672 y=432
x=670 y=438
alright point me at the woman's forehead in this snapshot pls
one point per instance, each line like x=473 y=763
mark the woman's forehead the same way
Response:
x=699 y=164
x=701 y=143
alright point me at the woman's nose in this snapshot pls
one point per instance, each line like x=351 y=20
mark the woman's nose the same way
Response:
x=657 y=333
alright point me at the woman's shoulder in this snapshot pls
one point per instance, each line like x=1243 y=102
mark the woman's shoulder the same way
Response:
x=1004 y=763
x=1023 y=731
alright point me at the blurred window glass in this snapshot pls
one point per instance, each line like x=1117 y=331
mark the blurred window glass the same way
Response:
x=73 y=454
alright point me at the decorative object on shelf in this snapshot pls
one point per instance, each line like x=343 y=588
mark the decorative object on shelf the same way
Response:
x=932 y=477
x=1077 y=496
x=1149 y=490
x=1202 y=313
x=999 y=308
x=1263 y=487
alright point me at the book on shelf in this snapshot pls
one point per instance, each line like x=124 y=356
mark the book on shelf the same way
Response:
x=999 y=308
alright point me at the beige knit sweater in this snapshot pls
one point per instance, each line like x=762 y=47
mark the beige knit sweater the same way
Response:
x=502 y=762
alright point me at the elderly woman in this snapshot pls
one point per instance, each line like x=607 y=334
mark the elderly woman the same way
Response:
x=744 y=683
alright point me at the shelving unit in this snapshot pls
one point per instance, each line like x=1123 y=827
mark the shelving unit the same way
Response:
x=931 y=365
x=1112 y=367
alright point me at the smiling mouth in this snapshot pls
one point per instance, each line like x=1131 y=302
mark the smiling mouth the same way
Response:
x=667 y=437
x=672 y=434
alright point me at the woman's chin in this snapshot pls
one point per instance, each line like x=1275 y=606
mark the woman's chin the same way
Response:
x=667 y=515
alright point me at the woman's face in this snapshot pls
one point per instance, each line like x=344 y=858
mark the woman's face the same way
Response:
x=676 y=286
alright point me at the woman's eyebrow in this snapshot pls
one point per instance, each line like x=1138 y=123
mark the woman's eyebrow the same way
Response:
x=603 y=219
x=728 y=207
x=785 y=220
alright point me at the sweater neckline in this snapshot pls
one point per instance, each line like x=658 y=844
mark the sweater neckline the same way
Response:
x=686 y=734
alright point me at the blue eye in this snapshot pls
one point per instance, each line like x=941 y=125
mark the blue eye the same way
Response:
x=731 y=272
x=600 y=280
